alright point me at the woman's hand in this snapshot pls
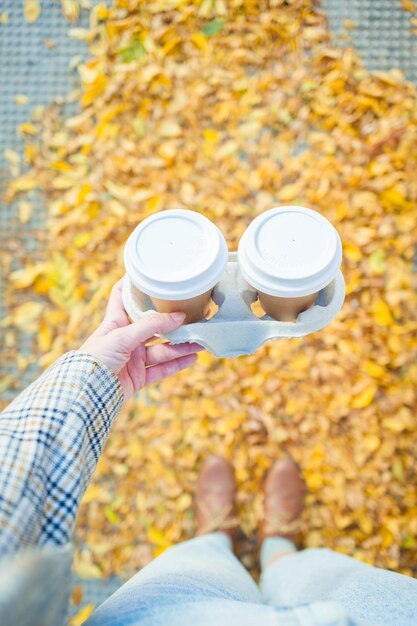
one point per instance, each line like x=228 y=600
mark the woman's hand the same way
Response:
x=121 y=345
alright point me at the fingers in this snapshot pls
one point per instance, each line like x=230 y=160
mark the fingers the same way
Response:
x=139 y=332
x=167 y=352
x=115 y=310
x=155 y=339
x=163 y=370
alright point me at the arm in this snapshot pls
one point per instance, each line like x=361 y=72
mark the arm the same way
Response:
x=52 y=434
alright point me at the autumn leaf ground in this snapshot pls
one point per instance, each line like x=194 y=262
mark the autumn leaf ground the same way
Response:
x=231 y=110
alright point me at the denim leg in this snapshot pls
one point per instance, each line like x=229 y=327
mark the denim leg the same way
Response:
x=199 y=570
x=274 y=545
x=367 y=593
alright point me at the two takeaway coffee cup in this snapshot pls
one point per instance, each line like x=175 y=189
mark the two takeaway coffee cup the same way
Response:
x=287 y=254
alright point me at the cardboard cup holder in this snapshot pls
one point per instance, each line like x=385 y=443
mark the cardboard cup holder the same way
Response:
x=235 y=330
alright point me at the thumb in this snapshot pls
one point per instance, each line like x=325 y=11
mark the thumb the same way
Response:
x=131 y=336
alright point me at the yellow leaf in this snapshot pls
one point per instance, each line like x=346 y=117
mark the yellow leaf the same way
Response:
x=84 y=192
x=28 y=128
x=85 y=569
x=25 y=211
x=300 y=362
x=30 y=152
x=354 y=282
x=205 y=358
x=393 y=198
x=370 y=443
x=382 y=313
x=77 y=595
x=365 y=397
x=6 y=382
x=169 y=129
x=154 y=204
x=314 y=539
x=387 y=538
x=101 y=11
x=49 y=43
x=62 y=182
x=352 y=252
x=26 y=276
x=24 y=183
x=289 y=192
x=199 y=41
x=112 y=515
x=82 y=615
x=120 y=192
x=159 y=550
x=93 y=208
x=409 y=5
x=314 y=481
x=61 y=166
x=82 y=239
x=377 y=261
x=365 y=524
x=91 y=493
x=157 y=537
x=117 y=208
x=400 y=422
x=211 y=135
x=12 y=157
x=26 y=316
x=79 y=34
x=32 y=10
x=227 y=149
x=44 y=336
x=4 y=18
x=349 y=24
x=21 y=99
x=171 y=44
x=71 y=10
x=374 y=369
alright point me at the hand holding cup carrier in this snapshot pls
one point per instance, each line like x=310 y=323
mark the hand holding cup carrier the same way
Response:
x=289 y=257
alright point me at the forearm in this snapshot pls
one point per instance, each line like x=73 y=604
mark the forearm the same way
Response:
x=51 y=437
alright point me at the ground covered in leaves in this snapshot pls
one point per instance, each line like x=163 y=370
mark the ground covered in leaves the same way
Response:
x=230 y=109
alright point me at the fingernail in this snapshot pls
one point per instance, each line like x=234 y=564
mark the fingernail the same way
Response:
x=178 y=317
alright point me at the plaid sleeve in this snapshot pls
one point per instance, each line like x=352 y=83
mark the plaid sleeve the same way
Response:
x=51 y=437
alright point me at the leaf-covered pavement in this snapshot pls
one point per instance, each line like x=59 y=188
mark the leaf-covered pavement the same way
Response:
x=230 y=109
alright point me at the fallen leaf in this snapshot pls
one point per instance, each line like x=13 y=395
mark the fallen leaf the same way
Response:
x=32 y=10
x=214 y=27
x=82 y=615
x=365 y=397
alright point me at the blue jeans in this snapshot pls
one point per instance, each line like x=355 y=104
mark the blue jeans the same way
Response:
x=201 y=583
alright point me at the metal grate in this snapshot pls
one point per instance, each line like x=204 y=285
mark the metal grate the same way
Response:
x=28 y=67
x=383 y=33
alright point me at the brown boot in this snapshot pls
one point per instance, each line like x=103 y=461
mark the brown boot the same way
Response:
x=283 y=502
x=215 y=498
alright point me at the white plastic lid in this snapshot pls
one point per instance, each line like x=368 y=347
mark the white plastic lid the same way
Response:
x=175 y=255
x=289 y=252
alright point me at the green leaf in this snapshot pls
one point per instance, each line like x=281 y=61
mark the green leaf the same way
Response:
x=135 y=51
x=377 y=261
x=139 y=126
x=212 y=28
x=409 y=542
x=398 y=470
x=111 y=515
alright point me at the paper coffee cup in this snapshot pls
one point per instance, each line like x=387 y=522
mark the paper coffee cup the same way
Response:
x=176 y=257
x=288 y=254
